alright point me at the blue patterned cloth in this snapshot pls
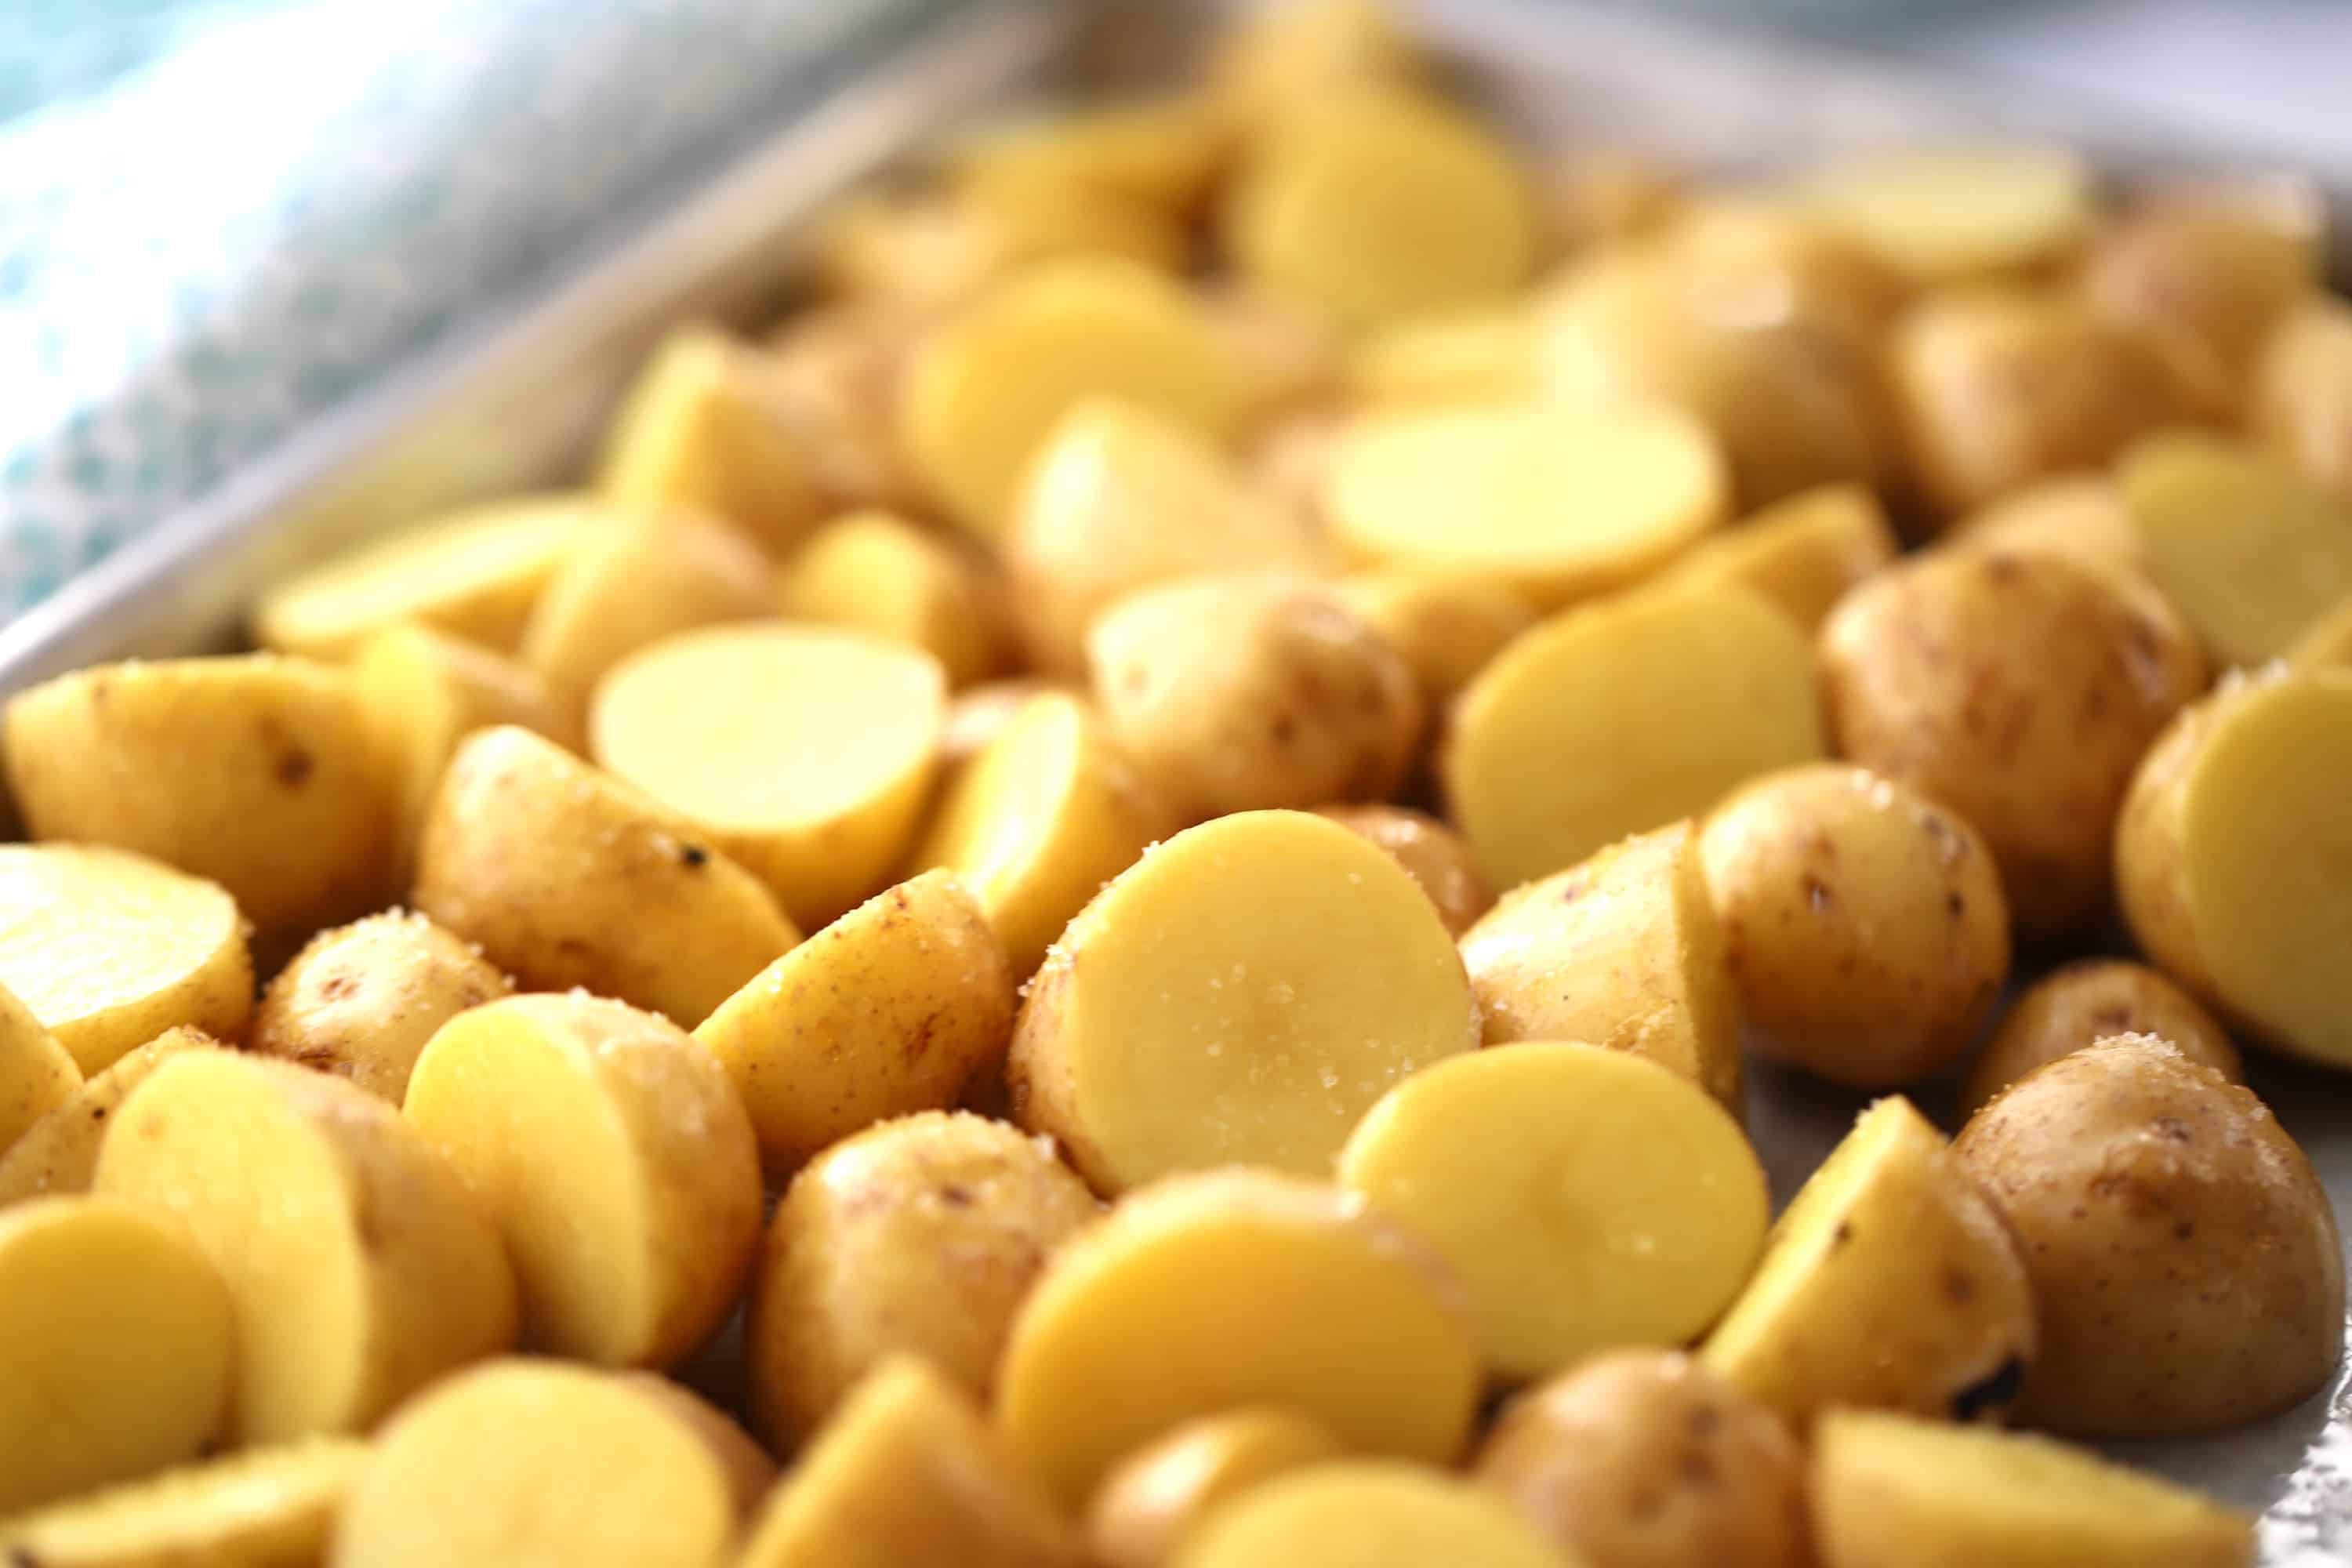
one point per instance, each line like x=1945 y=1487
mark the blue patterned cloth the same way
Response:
x=217 y=217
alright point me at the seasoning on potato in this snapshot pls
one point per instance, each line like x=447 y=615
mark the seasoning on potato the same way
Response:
x=876 y=572
x=1446 y=628
x=1433 y=855
x=1162 y=1492
x=1945 y=213
x=264 y=1506
x=1801 y=552
x=2087 y=1001
x=1361 y=1514
x=59 y=1154
x=37 y=1074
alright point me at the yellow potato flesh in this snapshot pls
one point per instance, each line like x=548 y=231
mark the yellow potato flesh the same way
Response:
x=1555 y=499
x=1242 y=994
x=1447 y=628
x=1282 y=55
x=1360 y=1514
x=115 y=1336
x=614 y=1158
x=877 y=573
x=1893 y=1492
x=37 y=1074
x=1163 y=151
x=475 y=573
x=1236 y=1287
x=1036 y=822
x=522 y=1464
x=108 y=950
x=2301 y=403
x=1802 y=553
x=1588 y=1198
x=266 y=1508
x=58 y=1154
x=1482 y=355
x=1615 y=718
x=1940 y=214
x=357 y=1266
x=1161 y=1493
x=985 y=391
x=806 y=752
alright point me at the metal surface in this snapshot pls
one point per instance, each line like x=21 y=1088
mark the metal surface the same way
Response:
x=513 y=402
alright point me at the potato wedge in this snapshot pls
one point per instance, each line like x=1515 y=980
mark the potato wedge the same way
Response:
x=1432 y=854
x=1803 y=552
x=2079 y=1003
x=1367 y=1515
x=37 y=1074
x=875 y=572
x=59 y=1154
x=265 y=1508
x=358 y=1267
x=2301 y=405
x=1446 y=628
x=1944 y=214
x=1161 y=1493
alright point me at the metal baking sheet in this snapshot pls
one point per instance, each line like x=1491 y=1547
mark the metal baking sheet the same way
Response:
x=512 y=400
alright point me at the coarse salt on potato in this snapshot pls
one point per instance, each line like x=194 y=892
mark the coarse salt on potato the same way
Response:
x=59 y=1154
x=2079 y=1003
x=1164 y=1490
x=1359 y=1513
x=270 y=1506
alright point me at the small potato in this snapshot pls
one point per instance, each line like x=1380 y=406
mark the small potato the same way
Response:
x=2228 y=857
x=1433 y=855
x=2019 y=689
x=2301 y=405
x=1163 y=1491
x=891 y=1010
x=2087 y=1001
x=1893 y=1491
x=1239 y=692
x=1617 y=717
x=1946 y=214
x=1890 y=1282
x=920 y=1235
x=473 y=574
x=37 y=1074
x=107 y=950
x=1622 y=949
x=1273 y=58
x=361 y=1000
x=1242 y=994
x=358 y=1267
x=616 y=1160
x=1803 y=553
x=1367 y=1515
x=265 y=1508
x=2325 y=641
x=1864 y=925
x=928 y=252
x=1039 y=820
x=1161 y=150
x=1161 y=1312
x=528 y=1464
x=1446 y=628
x=1588 y=195
x=1475 y=1153
x=1119 y=499
x=751 y=1473
x=563 y=877
x=2184 y=1258
x=59 y=1154
x=836 y=371
x=117 y=1334
x=704 y=430
x=252 y=771
x=906 y=1472
x=977 y=715
x=875 y=572
x=1479 y=354
x=2081 y=515
x=1646 y=1460
x=1748 y=250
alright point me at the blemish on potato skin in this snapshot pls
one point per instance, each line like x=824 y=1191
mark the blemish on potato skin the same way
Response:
x=294 y=767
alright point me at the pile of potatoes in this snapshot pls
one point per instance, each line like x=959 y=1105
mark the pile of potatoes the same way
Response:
x=1102 y=905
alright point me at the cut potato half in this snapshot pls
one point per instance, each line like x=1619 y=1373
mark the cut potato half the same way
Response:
x=1944 y=214
x=265 y=1508
x=1367 y=1515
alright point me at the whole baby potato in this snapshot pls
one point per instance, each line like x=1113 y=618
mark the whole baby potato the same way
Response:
x=2184 y=1260
x=1862 y=924
x=2088 y=1001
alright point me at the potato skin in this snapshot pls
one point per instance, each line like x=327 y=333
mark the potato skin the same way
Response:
x=1643 y=1458
x=1432 y=854
x=2185 y=1262
x=360 y=1000
x=2087 y=1001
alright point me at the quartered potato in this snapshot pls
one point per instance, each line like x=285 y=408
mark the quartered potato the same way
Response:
x=1953 y=213
x=59 y=1154
x=1162 y=1492
x=2078 y=1005
x=874 y=573
x=37 y=1074
x=264 y=1508
x=1447 y=628
x=1803 y=552
x=1433 y=855
x=2301 y=405
x=1367 y=1515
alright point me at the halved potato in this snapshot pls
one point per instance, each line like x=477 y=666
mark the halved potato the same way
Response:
x=1163 y=1491
x=1275 y=58
x=1432 y=854
x=2301 y=405
x=1480 y=354
x=37 y=1074
x=2079 y=1003
x=1942 y=214
x=1367 y=1515
x=876 y=572
x=928 y=252
x=1447 y=628
x=1163 y=151
x=1802 y=553
x=265 y=1508
x=58 y=1154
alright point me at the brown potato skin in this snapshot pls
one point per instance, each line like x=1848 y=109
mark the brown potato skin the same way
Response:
x=1432 y=854
x=2200 y=284
x=2088 y=1001
x=2020 y=689
x=360 y=1000
x=2184 y=1257
x=1643 y=1458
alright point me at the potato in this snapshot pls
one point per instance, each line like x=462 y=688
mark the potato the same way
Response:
x=1995 y=387
x=1432 y=854
x=37 y=1074
x=1272 y=60
x=703 y=430
x=1801 y=552
x=1864 y=925
x=1944 y=214
x=1591 y=194
x=1287 y=352
x=1622 y=949
x=1570 y=497
x=1446 y=628
x=563 y=877
x=358 y=1269
x=1118 y=499
x=906 y=1472
x=474 y=573
x=1160 y=151
x=116 y=1333
x=1646 y=1460
x=1240 y=995
x=1893 y=1492
x=527 y=1463
x=977 y=715
x=361 y=1000
x=1480 y=1154
x=2226 y=857
x=2081 y=515
x=266 y=1508
x=1477 y=353
x=985 y=391
x=835 y=369
x=1039 y=820
x=929 y=251
x=1243 y=691
x=1235 y=1286
x=1749 y=249
x=2252 y=553
x=751 y=1473
x=871 y=571
x=716 y=725
x=616 y=1160
x=1890 y=1282
x=59 y=1154
x=2087 y=1001
x=1159 y=1494
x=2325 y=641
x=1665 y=699
x=107 y=950
x=920 y=1235
x=2019 y=689
x=252 y=771
x=1367 y=1515
x=2183 y=1257
x=1294 y=458
x=2301 y=403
